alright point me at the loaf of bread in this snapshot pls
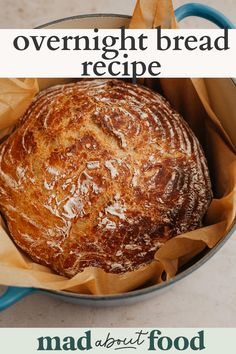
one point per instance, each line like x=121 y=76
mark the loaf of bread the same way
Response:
x=101 y=173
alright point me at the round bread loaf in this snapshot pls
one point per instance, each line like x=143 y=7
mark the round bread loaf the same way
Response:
x=101 y=173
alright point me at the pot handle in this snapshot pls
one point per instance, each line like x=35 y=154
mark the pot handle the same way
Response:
x=203 y=11
x=12 y=295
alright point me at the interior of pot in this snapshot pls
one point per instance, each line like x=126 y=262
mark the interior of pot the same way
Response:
x=91 y=21
x=219 y=89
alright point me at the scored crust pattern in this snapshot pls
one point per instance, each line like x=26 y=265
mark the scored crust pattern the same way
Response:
x=101 y=173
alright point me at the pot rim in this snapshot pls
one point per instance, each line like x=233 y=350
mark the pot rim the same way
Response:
x=78 y=17
x=152 y=288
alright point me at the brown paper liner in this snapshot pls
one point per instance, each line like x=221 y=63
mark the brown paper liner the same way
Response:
x=153 y=13
x=15 y=97
x=190 y=98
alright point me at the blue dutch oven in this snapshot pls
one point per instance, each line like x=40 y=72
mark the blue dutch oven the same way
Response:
x=14 y=294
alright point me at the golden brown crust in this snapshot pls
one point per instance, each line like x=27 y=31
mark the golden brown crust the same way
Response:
x=101 y=173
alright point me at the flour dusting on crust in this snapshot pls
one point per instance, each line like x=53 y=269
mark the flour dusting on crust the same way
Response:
x=101 y=173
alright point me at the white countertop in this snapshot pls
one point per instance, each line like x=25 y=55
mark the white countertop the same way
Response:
x=206 y=298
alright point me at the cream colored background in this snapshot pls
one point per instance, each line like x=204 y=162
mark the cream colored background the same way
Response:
x=207 y=298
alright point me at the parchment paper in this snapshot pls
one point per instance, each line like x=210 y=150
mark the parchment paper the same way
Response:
x=190 y=98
